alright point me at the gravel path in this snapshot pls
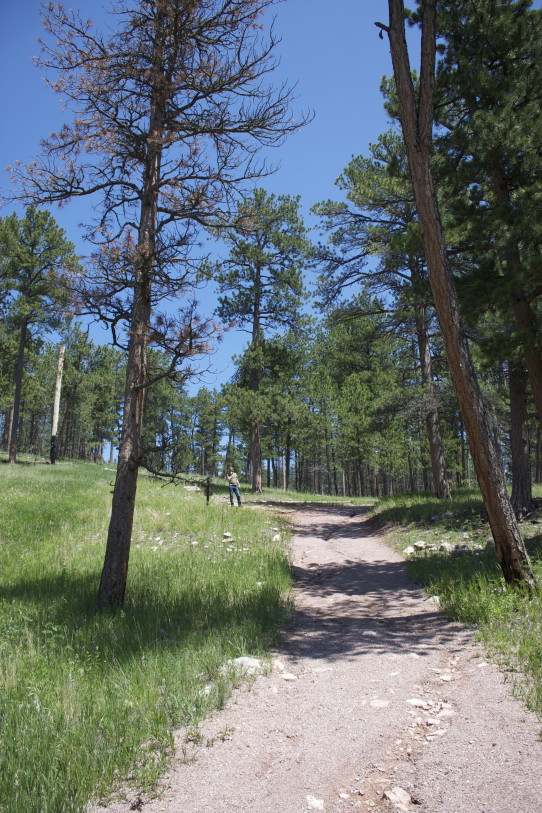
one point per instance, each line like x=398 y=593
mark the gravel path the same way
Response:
x=374 y=702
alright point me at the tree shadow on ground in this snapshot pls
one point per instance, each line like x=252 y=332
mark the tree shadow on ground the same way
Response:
x=60 y=611
x=359 y=606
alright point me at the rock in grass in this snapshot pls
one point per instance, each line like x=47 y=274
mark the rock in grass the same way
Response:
x=249 y=666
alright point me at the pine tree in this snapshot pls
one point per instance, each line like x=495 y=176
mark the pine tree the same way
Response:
x=36 y=262
x=379 y=219
x=489 y=108
x=261 y=286
x=417 y=123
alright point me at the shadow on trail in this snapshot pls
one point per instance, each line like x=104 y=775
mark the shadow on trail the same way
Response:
x=364 y=608
x=358 y=606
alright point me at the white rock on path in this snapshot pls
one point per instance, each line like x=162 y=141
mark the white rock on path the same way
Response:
x=399 y=797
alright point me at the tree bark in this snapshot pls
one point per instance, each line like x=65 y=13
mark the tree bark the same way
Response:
x=417 y=126
x=523 y=312
x=115 y=569
x=438 y=465
x=373 y=482
x=256 y=458
x=538 y=466
x=288 y=454
x=522 y=498
x=56 y=403
x=18 y=385
x=62 y=436
x=255 y=440
x=7 y=428
x=411 y=475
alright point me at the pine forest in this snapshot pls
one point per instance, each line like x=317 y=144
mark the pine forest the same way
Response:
x=393 y=336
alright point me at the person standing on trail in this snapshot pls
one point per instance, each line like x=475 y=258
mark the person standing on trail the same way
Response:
x=233 y=480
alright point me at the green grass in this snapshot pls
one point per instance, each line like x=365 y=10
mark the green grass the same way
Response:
x=470 y=585
x=89 y=699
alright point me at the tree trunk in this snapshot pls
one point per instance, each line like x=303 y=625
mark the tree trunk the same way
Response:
x=256 y=458
x=411 y=475
x=62 y=436
x=18 y=385
x=523 y=312
x=334 y=472
x=7 y=428
x=288 y=453
x=115 y=569
x=464 y=475
x=328 y=460
x=56 y=403
x=373 y=482
x=538 y=468
x=522 y=498
x=438 y=465
x=417 y=131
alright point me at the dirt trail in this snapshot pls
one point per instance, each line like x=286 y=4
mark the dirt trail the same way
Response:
x=372 y=693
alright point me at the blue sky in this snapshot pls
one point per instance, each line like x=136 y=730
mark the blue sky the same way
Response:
x=331 y=50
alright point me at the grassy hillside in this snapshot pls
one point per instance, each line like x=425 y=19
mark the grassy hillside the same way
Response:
x=87 y=698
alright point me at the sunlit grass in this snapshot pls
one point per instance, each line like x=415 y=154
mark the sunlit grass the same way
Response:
x=90 y=699
x=469 y=583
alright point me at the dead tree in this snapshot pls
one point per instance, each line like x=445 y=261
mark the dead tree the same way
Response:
x=169 y=114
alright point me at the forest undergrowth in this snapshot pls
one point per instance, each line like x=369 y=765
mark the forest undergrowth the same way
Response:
x=449 y=552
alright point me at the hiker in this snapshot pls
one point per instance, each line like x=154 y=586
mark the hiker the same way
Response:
x=233 y=480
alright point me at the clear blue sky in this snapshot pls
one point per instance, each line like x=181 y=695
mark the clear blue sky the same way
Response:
x=331 y=49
